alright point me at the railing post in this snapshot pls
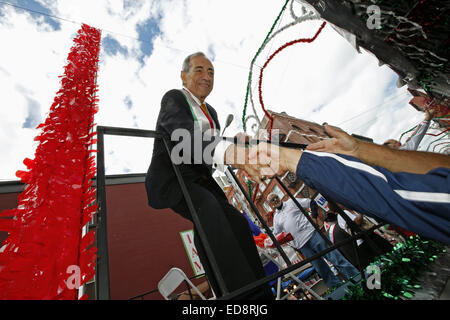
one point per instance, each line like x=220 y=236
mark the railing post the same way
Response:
x=260 y=218
x=102 y=287
x=197 y=223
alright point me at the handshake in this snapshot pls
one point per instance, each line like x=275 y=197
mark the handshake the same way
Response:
x=258 y=160
x=265 y=160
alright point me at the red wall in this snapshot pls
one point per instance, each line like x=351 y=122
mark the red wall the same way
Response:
x=144 y=243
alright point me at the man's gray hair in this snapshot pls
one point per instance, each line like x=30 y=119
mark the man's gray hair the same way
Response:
x=187 y=61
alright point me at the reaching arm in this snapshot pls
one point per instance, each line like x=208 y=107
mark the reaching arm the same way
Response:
x=237 y=155
x=372 y=154
x=412 y=143
x=416 y=202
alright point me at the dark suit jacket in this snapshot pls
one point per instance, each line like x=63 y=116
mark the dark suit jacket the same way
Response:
x=163 y=189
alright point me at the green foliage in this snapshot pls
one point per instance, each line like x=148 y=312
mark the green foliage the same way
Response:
x=400 y=270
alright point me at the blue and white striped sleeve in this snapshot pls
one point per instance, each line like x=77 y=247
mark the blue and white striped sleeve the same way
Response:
x=415 y=202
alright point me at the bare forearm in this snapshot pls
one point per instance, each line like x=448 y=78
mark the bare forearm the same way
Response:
x=289 y=159
x=400 y=160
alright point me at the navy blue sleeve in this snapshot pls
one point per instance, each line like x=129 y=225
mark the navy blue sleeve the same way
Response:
x=415 y=202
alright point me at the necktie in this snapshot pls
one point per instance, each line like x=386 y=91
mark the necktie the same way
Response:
x=205 y=112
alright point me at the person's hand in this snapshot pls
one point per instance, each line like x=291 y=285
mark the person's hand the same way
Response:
x=341 y=142
x=359 y=219
x=266 y=156
x=238 y=156
x=272 y=160
x=263 y=160
x=258 y=161
x=429 y=114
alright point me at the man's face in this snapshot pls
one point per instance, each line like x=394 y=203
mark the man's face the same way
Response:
x=391 y=143
x=200 y=78
x=274 y=201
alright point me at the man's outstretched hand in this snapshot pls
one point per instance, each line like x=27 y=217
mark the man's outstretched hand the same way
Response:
x=418 y=162
x=268 y=160
x=340 y=142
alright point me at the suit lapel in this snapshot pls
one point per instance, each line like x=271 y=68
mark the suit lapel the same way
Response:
x=213 y=114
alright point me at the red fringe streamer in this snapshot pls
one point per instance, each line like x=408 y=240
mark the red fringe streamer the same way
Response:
x=267 y=62
x=45 y=230
x=438 y=134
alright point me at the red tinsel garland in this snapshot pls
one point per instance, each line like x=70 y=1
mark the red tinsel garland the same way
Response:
x=45 y=247
x=267 y=62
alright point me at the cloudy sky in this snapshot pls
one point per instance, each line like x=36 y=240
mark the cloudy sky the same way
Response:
x=143 y=45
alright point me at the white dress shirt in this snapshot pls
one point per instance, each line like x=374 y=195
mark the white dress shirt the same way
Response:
x=290 y=219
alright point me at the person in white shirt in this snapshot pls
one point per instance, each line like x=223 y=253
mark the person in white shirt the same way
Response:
x=289 y=218
x=412 y=143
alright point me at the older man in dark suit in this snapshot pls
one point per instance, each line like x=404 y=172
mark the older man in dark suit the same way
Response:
x=184 y=114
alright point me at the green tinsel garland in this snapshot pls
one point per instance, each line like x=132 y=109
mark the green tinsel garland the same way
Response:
x=249 y=185
x=400 y=270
